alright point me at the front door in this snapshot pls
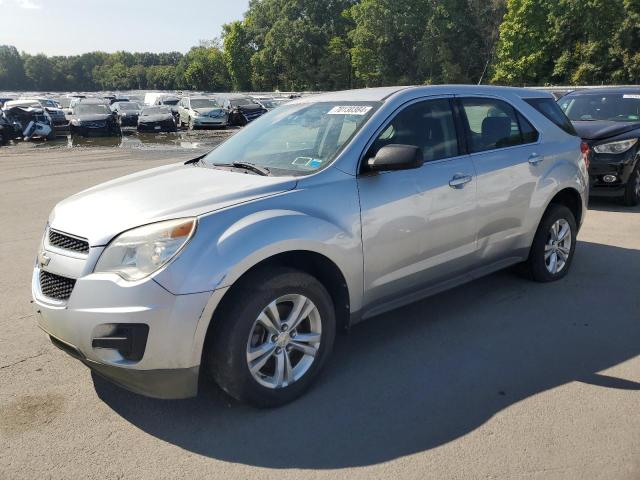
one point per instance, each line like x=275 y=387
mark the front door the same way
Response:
x=418 y=226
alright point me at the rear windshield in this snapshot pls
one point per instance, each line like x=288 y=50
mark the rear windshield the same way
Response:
x=550 y=109
x=129 y=106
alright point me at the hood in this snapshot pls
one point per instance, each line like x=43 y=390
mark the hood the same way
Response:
x=163 y=193
x=601 y=129
x=158 y=117
x=207 y=111
x=93 y=117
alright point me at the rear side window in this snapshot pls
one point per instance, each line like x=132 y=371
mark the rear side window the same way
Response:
x=495 y=124
x=550 y=109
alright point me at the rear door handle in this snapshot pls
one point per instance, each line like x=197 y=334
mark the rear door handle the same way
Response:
x=535 y=158
x=459 y=181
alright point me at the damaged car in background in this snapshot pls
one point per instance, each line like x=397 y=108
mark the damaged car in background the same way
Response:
x=608 y=120
x=196 y=112
x=128 y=113
x=157 y=119
x=26 y=119
x=93 y=117
x=242 y=109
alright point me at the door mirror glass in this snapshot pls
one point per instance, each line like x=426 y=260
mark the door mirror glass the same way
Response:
x=396 y=157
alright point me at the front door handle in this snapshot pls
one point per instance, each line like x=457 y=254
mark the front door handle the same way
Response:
x=459 y=181
x=535 y=158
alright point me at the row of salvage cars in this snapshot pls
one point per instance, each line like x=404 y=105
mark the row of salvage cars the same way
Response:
x=159 y=112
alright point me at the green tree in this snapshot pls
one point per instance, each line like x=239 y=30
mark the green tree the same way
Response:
x=11 y=69
x=39 y=71
x=237 y=55
x=206 y=68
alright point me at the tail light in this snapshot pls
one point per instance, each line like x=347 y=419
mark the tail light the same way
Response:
x=584 y=148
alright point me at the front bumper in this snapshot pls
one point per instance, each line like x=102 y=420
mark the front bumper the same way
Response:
x=100 y=302
x=209 y=121
x=157 y=127
x=607 y=164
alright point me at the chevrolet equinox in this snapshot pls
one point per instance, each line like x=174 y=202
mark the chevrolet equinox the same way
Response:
x=243 y=263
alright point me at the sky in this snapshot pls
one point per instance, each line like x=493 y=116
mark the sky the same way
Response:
x=69 y=27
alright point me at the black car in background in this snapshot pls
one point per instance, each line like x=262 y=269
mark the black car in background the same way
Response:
x=608 y=120
x=242 y=109
x=157 y=119
x=92 y=117
x=128 y=113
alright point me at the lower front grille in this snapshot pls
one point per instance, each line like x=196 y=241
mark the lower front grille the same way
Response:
x=55 y=286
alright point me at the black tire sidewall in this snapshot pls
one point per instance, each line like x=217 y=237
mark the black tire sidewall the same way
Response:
x=227 y=357
x=630 y=197
x=537 y=266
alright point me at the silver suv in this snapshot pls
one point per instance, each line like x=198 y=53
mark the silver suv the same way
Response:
x=243 y=263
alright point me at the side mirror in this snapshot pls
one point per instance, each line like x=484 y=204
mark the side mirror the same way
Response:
x=396 y=157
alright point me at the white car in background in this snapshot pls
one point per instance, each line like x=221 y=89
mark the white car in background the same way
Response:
x=196 y=112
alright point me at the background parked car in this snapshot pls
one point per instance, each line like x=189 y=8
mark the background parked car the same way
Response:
x=242 y=109
x=157 y=119
x=93 y=117
x=196 y=112
x=55 y=111
x=128 y=113
x=608 y=120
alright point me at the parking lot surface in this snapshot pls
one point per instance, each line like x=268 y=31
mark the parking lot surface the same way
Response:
x=500 y=378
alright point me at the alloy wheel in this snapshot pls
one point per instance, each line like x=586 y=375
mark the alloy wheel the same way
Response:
x=284 y=341
x=558 y=246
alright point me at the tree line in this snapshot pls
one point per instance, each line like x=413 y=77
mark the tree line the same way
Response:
x=336 y=44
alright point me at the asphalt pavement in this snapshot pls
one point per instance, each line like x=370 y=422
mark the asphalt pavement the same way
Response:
x=500 y=378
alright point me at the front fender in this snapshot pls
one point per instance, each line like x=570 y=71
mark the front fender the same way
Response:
x=230 y=242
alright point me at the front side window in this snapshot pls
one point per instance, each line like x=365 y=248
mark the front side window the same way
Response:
x=494 y=124
x=296 y=139
x=428 y=125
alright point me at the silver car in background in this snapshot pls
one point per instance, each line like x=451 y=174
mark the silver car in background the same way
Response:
x=196 y=112
x=243 y=263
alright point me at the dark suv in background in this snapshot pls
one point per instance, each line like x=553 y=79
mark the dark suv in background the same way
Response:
x=608 y=120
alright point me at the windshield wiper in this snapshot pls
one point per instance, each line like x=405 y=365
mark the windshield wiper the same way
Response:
x=264 y=171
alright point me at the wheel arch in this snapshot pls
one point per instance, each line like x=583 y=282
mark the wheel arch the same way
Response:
x=570 y=198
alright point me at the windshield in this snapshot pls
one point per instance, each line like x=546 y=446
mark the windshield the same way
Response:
x=91 y=108
x=203 y=103
x=155 y=111
x=129 y=106
x=617 y=107
x=295 y=139
x=236 y=102
x=268 y=103
x=170 y=101
x=48 y=103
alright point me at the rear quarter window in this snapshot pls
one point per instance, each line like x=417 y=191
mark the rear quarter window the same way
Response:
x=550 y=109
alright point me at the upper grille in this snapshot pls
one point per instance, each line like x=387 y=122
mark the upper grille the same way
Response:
x=67 y=242
x=55 y=286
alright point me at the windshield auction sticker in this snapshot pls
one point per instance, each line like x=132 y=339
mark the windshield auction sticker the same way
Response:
x=349 y=110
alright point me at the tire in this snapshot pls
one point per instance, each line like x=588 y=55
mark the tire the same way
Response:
x=540 y=265
x=632 y=190
x=192 y=125
x=237 y=332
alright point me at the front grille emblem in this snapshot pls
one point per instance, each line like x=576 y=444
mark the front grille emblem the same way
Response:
x=43 y=259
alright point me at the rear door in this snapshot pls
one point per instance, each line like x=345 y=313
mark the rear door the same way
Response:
x=508 y=161
x=418 y=225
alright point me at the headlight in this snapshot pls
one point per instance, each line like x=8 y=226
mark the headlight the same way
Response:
x=75 y=121
x=616 y=147
x=138 y=253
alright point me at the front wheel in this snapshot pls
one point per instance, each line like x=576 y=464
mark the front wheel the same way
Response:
x=553 y=245
x=632 y=189
x=272 y=338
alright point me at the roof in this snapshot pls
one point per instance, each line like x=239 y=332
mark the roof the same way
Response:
x=601 y=90
x=382 y=93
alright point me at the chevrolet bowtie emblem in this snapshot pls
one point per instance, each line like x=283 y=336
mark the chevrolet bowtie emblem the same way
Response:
x=43 y=259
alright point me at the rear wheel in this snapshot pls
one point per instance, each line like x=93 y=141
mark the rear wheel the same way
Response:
x=192 y=125
x=553 y=245
x=632 y=189
x=272 y=339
